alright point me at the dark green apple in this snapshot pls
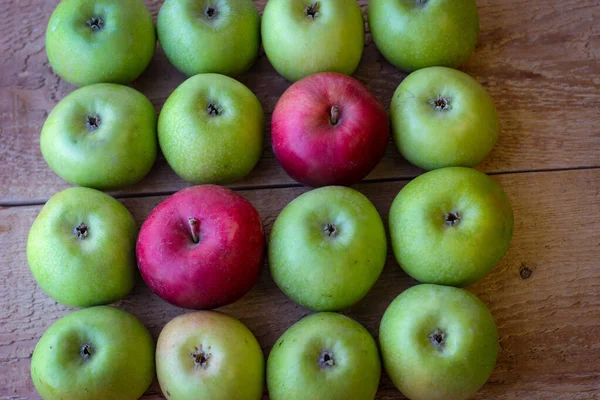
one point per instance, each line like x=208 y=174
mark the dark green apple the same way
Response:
x=442 y=117
x=302 y=37
x=101 y=136
x=221 y=36
x=450 y=226
x=438 y=343
x=81 y=248
x=100 y=353
x=414 y=34
x=327 y=248
x=211 y=129
x=93 y=41
x=324 y=356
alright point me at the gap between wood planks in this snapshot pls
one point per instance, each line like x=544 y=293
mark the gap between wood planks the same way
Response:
x=36 y=202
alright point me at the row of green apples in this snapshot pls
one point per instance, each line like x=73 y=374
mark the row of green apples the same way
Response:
x=114 y=40
x=106 y=353
x=203 y=248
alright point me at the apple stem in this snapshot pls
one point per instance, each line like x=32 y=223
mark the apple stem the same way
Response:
x=437 y=339
x=440 y=103
x=200 y=358
x=92 y=122
x=86 y=351
x=330 y=229
x=213 y=109
x=81 y=231
x=326 y=359
x=312 y=11
x=96 y=23
x=193 y=222
x=334 y=115
x=452 y=218
x=211 y=12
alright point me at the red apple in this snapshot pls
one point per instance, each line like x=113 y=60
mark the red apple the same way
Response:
x=201 y=248
x=329 y=129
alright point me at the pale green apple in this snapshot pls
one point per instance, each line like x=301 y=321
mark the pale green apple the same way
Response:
x=324 y=356
x=302 y=38
x=101 y=136
x=93 y=41
x=414 y=34
x=100 y=353
x=208 y=355
x=450 y=226
x=442 y=117
x=81 y=248
x=327 y=248
x=210 y=129
x=438 y=343
x=221 y=36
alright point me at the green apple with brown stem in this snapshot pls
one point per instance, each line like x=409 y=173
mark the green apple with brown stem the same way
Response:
x=99 y=353
x=450 y=226
x=324 y=356
x=438 y=343
x=81 y=248
x=93 y=41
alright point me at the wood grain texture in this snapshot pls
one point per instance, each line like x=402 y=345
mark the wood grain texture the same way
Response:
x=549 y=323
x=538 y=59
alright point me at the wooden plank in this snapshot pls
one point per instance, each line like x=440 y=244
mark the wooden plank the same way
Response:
x=537 y=59
x=549 y=324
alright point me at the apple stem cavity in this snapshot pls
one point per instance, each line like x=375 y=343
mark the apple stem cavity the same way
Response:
x=85 y=351
x=438 y=339
x=200 y=358
x=81 y=231
x=326 y=359
x=96 y=23
x=452 y=218
x=211 y=12
x=330 y=230
x=334 y=115
x=193 y=222
x=440 y=103
x=312 y=10
x=92 y=122
x=213 y=109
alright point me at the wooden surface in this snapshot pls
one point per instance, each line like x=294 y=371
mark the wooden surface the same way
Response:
x=538 y=59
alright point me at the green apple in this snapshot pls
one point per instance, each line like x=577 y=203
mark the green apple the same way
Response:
x=327 y=248
x=324 y=356
x=221 y=36
x=442 y=117
x=93 y=41
x=210 y=130
x=302 y=38
x=414 y=34
x=101 y=136
x=100 y=353
x=450 y=226
x=438 y=343
x=207 y=355
x=81 y=248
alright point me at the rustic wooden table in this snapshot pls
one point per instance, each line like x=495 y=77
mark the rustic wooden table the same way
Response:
x=539 y=61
